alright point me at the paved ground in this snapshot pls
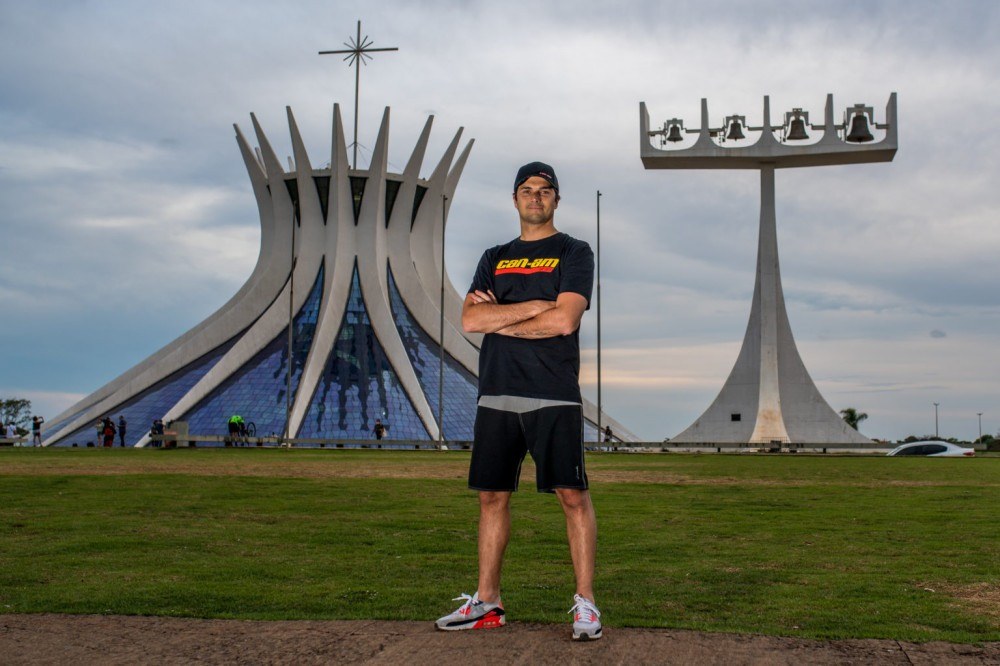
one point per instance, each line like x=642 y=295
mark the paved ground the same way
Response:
x=106 y=640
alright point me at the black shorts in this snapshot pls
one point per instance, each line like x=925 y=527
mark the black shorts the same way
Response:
x=553 y=436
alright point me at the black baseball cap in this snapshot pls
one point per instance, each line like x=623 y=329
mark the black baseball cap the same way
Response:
x=537 y=169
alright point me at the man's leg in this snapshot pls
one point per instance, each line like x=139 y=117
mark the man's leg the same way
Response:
x=483 y=610
x=581 y=530
x=494 y=533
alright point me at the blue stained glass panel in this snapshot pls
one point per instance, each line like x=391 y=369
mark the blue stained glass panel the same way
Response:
x=257 y=390
x=460 y=386
x=56 y=426
x=359 y=385
x=152 y=403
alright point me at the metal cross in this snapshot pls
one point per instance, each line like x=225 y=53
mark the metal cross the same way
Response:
x=357 y=50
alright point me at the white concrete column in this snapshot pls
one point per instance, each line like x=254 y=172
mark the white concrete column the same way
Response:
x=770 y=425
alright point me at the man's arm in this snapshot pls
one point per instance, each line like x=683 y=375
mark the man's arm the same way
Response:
x=563 y=319
x=482 y=314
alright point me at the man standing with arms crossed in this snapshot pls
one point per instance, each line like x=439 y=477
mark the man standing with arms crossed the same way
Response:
x=528 y=297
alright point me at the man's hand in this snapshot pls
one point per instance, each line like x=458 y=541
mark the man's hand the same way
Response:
x=482 y=314
x=483 y=296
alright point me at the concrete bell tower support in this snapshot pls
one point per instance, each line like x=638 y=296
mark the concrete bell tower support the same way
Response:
x=769 y=397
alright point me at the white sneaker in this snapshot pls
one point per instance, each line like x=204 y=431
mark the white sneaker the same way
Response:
x=473 y=614
x=586 y=619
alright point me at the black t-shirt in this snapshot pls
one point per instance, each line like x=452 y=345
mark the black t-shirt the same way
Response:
x=521 y=271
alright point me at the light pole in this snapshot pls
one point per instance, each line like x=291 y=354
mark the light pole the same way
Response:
x=600 y=429
x=980 y=415
x=444 y=218
x=936 y=435
x=291 y=333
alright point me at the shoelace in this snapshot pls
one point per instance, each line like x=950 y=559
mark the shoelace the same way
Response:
x=586 y=606
x=470 y=601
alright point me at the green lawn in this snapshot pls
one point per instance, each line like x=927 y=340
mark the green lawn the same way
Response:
x=788 y=545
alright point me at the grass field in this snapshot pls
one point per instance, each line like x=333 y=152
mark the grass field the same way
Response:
x=817 y=546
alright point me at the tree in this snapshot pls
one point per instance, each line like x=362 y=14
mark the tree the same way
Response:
x=16 y=410
x=853 y=417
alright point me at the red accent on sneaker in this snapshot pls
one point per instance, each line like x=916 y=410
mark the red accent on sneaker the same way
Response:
x=489 y=621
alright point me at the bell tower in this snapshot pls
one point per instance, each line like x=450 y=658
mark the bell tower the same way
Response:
x=769 y=397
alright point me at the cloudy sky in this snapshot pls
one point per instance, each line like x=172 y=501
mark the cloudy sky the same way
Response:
x=126 y=215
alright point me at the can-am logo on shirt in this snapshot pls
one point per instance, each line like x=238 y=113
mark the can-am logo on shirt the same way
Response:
x=525 y=266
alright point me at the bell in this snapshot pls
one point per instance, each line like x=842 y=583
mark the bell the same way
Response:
x=797 y=130
x=675 y=133
x=859 y=130
x=735 y=131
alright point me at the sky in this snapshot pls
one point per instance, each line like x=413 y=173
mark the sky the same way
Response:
x=126 y=214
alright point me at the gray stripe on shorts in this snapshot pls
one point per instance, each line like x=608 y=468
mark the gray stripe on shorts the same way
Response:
x=520 y=405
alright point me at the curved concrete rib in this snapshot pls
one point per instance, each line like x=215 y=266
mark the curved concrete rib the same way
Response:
x=340 y=249
x=453 y=297
x=422 y=246
x=620 y=431
x=260 y=289
x=372 y=262
x=426 y=257
x=422 y=304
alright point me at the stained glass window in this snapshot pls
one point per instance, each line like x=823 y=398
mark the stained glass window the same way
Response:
x=152 y=403
x=323 y=189
x=56 y=426
x=460 y=385
x=417 y=198
x=391 y=191
x=357 y=194
x=359 y=385
x=257 y=391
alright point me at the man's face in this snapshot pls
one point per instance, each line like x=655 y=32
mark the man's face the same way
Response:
x=536 y=201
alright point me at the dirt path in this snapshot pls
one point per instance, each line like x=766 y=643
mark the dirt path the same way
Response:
x=106 y=640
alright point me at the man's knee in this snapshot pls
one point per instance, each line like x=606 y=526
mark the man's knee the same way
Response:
x=493 y=501
x=574 y=500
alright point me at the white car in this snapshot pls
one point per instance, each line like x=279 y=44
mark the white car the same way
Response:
x=932 y=448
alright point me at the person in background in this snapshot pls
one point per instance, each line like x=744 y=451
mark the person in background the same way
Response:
x=36 y=430
x=236 y=426
x=121 y=429
x=379 y=429
x=157 y=429
x=108 y=432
